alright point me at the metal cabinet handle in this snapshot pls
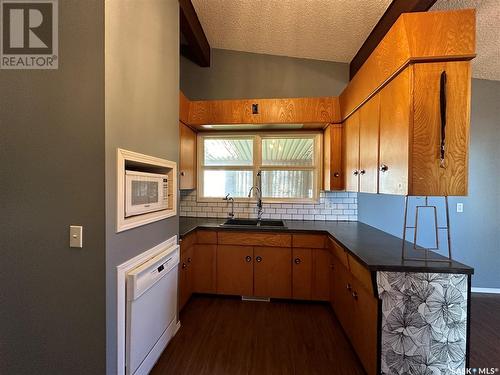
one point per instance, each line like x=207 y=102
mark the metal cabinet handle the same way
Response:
x=184 y=265
x=355 y=295
x=348 y=287
x=297 y=261
x=336 y=174
x=189 y=260
x=258 y=259
x=442 y=105
x=182 y=173
x=362 y=172
x=248 y=258
x=384 y=168
x=355 y=173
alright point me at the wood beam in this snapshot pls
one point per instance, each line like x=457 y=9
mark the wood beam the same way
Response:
x=198 y=49
x=395 y=9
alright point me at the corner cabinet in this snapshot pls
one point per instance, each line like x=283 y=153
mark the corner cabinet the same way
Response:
x=412 y=137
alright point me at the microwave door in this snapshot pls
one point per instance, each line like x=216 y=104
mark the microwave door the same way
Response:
x=142 y=196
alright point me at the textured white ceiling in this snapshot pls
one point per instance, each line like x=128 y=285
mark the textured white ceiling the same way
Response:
x=486 y=65
x=330 y=30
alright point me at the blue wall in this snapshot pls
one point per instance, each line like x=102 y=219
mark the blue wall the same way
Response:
x=475 y=233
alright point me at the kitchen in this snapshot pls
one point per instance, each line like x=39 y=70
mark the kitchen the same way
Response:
x=294 y=161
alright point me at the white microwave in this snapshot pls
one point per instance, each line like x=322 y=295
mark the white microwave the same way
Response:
x=145 y=192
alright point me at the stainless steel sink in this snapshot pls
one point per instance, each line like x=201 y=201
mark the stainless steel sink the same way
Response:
x=253 y=223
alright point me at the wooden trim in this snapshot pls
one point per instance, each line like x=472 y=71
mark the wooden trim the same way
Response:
x=252 y=238
x=198 y=48
x=320 y=110
x=123 y=223
x=415 y=37
x=395 y=9
x=184 y=105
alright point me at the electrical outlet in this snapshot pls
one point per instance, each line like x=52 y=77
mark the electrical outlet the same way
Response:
x=460 y=207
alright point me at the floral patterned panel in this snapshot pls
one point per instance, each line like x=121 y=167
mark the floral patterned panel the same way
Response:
x=424 y=323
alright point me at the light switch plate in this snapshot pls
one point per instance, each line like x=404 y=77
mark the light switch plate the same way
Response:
x=460 y=207
x=76 y=236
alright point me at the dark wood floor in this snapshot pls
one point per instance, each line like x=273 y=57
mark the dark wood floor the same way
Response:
x=222 y=336
x=485 y=331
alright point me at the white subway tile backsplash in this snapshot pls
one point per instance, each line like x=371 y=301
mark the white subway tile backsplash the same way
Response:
x=331 y=206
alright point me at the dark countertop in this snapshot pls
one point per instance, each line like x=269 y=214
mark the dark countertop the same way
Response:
x=377 y=250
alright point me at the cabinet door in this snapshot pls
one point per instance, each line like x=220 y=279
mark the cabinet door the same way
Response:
x=364 y=327
x=187 y=162
x=235 y=270
x=368 y=145
x=343 y=301
x=351 y=152
x=394 y=135
x=321 y=275
x=332 y=158
x=273 y=272
x=302 y=273
x=203 y=268
x=428 y=175
x=185 y=277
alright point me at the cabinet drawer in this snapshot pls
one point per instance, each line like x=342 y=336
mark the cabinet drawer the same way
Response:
x=312 y=241
x=207 y=237
x=255 y=239
x=361 y=273
x=338 y=251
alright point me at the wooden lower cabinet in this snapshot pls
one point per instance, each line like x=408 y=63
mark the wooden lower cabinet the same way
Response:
x=185 y=276
x=203 y=268
x=301 y=273
x=356 y=309
x=321 y=270
x=235 y=270
x=321 y=259
x=363 y=333
x=272 y=272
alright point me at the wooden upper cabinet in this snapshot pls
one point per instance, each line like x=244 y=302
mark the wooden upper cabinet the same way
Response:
x=368 y=145
x=399 y=131
x=333 y=178
x=351 y=152
x=187 y=163
x=273 y=272
x=395 y=111
x=431 y=97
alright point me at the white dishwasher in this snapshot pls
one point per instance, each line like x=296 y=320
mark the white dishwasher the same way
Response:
x=151 y=310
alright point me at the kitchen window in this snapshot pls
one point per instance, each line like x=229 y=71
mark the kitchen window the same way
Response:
x=290 y=166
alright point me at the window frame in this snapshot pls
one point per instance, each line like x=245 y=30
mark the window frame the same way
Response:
x=317 y=165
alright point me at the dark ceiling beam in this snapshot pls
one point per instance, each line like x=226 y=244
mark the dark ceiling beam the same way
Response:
x=395 y=9
x=198 y=49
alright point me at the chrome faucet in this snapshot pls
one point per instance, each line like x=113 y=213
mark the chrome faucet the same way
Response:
x=258 y=189
x=228 y=198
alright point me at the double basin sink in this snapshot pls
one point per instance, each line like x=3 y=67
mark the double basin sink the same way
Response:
x=253 y=223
